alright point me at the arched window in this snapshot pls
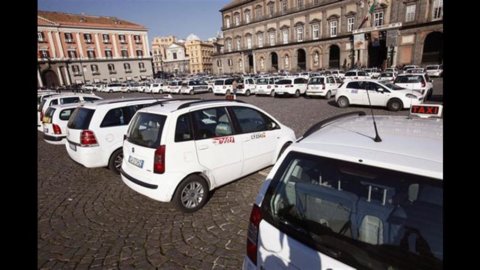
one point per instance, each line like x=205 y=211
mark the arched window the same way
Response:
x=316 y=58
x=287 y=61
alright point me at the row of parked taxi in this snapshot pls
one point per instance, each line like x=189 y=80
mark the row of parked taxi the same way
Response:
x=340 y=196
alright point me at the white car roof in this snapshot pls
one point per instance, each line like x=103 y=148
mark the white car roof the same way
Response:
x=114 y=102
x=174 y=105
x=408 y=145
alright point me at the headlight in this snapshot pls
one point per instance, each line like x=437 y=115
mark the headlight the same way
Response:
x=410 y=96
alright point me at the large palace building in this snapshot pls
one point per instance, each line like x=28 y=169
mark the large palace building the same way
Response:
x=310 y=35
x=79 y=49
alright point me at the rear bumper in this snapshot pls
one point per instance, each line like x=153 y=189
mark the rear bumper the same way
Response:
x=54 y=139
x=90 y=157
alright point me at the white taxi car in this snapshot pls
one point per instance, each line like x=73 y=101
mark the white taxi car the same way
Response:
x=95 y=131
x=181 y=150
x=339 y=199
x=419 y=82
x=55 y=122
x=291 y=86
x=379 y=94
x=323 y=86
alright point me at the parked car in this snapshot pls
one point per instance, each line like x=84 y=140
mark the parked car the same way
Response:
x=379 y=94
x=192 y=87
x=95 y=131
x=64 y=98
x=181 y=150
x=419 y=82
x=55 y=122
x=435 y=70
x=355 y=75
x=323 y=86
x=291 y=86
x=338 y=199
x=223 y=86
x=387 y=77
x=265 y=86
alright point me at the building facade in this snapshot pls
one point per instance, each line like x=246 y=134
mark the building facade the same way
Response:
x=159 y=51
x=200 y=54
x=310 y=35
x=79 y=49
x=176 y=60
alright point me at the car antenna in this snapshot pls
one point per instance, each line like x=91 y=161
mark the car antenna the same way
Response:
x=377 y=137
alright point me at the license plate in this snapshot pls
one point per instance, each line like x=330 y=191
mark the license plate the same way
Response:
x=72 y=146
x=135 y=161
x=45 y=130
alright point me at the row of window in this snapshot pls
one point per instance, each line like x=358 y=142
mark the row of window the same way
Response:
x=437 y=12
x=44 y=53
x=286 y=61
x=88 y=38
x=282 y=9
x=111 y=68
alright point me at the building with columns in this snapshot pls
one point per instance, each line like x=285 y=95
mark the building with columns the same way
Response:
x=79 y=48
x=176 y=59
x=310 y=35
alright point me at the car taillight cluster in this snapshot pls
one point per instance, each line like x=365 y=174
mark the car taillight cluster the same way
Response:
x=57 y=129
x=252 y=234
x=87 y=138
x=159 y=160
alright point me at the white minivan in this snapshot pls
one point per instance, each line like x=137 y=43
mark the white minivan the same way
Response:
x=180 y=150
x=340 y=199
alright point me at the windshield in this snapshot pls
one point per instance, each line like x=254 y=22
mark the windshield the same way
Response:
x=365 y=216
x=409 y=79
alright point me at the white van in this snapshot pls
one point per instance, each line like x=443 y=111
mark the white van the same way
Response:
x=340 y=199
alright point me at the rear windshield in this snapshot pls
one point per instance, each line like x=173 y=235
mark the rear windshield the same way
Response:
x=350 y=73
x=284 y=82
x=80 y=118
x=320 y=80
x=432 y=67
x=365 y=216
x=409 y=79
x=47 y=118
x=146 y=129
x=219 y=82
x=262 y=81
x=65 y=114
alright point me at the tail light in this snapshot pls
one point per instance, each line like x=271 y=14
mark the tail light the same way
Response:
x=87 y=137
x=252 y=234
x=323 y=86
x=41 y=116
x=56 y=129
x=159 y=160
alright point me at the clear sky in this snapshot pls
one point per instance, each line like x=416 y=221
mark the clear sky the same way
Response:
x=160 y=17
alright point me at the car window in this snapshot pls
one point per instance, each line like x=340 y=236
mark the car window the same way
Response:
x=183 y=129
x=211 y=123
x=251 y=120
x=65 y=114
x=47 y=118
x=347 y=207
x=356 y=85
x=317 y=80
x=91 y=98
x=118 y=117
x=69 y=100
x=146 y=129
x=409 y=79
x=53 y=102
x=80 y=118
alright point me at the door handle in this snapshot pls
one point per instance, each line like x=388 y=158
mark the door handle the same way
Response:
x=202 y=147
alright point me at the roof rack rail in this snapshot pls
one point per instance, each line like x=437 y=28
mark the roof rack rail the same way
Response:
x=118 y=100
x=160 y=102
x=322 y=123
x=185 y=105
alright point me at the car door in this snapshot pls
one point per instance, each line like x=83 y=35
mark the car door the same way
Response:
x=377 y=93
x=259 y=136
x=356 y=91
x=219 y=149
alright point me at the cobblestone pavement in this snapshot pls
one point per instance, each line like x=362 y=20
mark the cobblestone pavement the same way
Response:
x=87 y=218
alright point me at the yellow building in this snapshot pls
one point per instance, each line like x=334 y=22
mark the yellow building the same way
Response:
x=200 y=53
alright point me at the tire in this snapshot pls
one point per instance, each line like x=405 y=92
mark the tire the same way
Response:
x=297 y=93
x=343 y=102
x=210 y=90
x=191 y=92
x=227 y=93
x=394 y=105
x=110 y=91
x=191 y=194
x=115 y=161
x=247 y=93
x=284 y=147
x=329 y=95
x=272 y=94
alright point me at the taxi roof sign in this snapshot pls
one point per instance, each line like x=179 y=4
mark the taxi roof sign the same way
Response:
x=427 y=110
